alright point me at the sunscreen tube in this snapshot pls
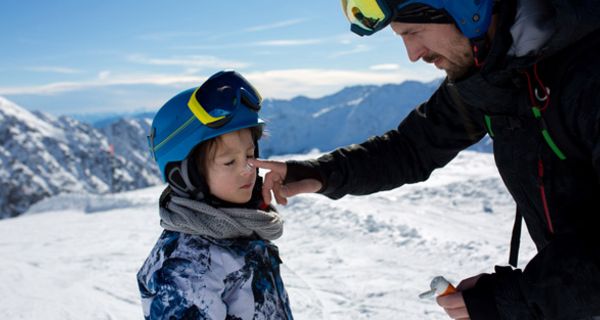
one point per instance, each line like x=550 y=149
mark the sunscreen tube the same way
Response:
x=439 y=287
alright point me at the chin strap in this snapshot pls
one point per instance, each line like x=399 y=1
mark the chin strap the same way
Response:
x=181 y=179
x=480 y=49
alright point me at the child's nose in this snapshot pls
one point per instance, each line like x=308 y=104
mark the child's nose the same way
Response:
x=247 y=168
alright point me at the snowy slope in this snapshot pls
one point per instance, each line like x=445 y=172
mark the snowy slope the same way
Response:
x=356 y=258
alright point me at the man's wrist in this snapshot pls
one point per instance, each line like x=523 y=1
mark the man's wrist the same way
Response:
x=300 y=170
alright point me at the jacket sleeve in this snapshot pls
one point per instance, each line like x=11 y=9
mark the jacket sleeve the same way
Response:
x=428 y=138
x=563 y=280
x=178 y=291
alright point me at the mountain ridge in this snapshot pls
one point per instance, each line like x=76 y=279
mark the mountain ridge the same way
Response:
x=44 y=155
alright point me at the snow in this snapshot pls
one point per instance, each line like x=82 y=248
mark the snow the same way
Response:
x=9 y=109
x=76 y=256
x=42 y=156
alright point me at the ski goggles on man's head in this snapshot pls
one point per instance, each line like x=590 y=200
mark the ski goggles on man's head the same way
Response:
x=214 y=103
x=367 y=16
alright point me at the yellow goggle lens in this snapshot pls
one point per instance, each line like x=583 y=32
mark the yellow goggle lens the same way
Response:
x=363 y=13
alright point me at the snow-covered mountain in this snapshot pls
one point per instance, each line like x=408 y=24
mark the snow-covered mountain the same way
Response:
x=42 y=155
x=351 y=115
x=364 y=257
x=128 y=139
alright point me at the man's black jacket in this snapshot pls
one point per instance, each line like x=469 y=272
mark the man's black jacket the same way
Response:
x=558 y=199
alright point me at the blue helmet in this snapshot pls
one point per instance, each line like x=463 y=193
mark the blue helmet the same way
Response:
x=226 y=102
x=472 y=17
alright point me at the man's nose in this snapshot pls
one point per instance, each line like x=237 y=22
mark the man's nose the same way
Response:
x=414 y=49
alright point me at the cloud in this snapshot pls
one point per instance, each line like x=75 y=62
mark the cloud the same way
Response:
x=53 y=69
x=196 y=62
x=286 y=43
x=266 y=43
x=357 y=49
x=104 y=79
x=289 y=83
x=160 y=36
x=168 y=35
x=240 y=32
x=276 y=25
x=385 y=67
x=281 y=84
x=103 y=75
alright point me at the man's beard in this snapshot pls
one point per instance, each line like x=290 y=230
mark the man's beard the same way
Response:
x=454 y=71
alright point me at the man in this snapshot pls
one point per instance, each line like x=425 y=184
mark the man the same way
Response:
x=527 y=73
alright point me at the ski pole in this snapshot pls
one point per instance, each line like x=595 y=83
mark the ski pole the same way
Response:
x=440 y=287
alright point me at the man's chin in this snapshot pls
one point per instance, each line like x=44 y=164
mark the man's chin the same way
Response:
x=457 y=74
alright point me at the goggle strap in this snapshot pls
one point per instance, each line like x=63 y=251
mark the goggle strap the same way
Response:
x=248 y=100
x=219 y=123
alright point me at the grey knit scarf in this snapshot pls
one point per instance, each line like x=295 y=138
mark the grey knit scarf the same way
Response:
x=198 y=218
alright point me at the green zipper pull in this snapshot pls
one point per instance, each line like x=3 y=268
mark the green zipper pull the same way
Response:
x=488 y=124
x=538 y=115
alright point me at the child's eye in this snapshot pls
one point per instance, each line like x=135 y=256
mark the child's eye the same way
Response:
x=229 y=163
x=250 y=156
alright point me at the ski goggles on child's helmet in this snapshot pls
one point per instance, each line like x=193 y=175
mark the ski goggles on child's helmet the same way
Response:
x=237 y=92
x=366 y=17
x=226 y=102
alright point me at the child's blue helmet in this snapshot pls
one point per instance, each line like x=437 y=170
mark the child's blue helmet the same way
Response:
x=472 y=17
x=226 y=102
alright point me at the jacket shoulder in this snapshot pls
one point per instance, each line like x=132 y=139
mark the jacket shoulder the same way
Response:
x=574 y=75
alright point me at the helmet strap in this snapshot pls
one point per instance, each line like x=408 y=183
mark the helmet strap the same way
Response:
x=189 y=171
x=176 y=181
x=179 y=179
x=480 y=47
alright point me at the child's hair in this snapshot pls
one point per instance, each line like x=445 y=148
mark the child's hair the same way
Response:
x=206 y=151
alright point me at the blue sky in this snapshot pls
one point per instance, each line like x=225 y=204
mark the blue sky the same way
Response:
x=77 y=57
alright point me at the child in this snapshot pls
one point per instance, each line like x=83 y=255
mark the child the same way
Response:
x=214 y=259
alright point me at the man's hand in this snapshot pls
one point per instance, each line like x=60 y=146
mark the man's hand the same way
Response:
x=454 y=304
x=273 y=181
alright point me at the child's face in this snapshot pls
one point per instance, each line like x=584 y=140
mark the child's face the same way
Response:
x=228 y=175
